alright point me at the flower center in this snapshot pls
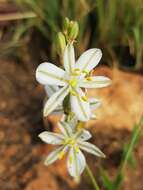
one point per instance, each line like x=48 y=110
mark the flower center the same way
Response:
x=70 y=141
x=73 y=82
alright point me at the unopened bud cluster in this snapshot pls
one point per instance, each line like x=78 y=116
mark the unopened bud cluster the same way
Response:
x=68 y=35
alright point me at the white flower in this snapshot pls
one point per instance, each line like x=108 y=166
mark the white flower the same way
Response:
x=71 y=141
x=93 y=102
x=72 y=79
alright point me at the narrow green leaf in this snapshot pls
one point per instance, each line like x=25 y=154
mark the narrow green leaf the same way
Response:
x=107 y=183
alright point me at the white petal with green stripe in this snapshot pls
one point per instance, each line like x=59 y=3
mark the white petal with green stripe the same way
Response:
x=95 y=82
x=55 y=100
x=76 y=162
x=79 y=106
x=94 y=103
x=50 y=90
x=51 y=138
x=53 y=156
x=69 y=58
x=90 y=148
x=89 y=59
x=73 y=122
x=65 y=129
x=85 y=135
x=48 y=73
x=58 y=110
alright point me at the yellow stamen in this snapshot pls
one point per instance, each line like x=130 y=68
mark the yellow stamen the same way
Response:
x=80 y=126
x=61 y=154
x=89 y=78
x=71 y=142
x=76 y=149
x=84 y=98
x=73 y=82
x=85 y=72
x=70 y=159
x=76 y=72
x=77 y=69
x=73 y=92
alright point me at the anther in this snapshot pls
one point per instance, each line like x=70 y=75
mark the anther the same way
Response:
x=61 y=154
x=85 y=72
x=73 y=82
x=73 y=93
x=76 y=72
x=76 y=149
x=80 y=126
x=89 y=78
x=70 y=159
x=84 y=98
x=76 y=69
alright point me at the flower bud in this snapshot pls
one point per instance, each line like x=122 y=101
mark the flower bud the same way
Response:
x=61 y=42
x=73 y=31
x=66 y=24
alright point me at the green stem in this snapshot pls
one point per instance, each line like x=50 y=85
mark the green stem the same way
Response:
x=91 y=176
x=132 y=144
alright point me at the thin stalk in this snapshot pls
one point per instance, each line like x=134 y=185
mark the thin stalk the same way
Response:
x=91 y=176
x=132 y=143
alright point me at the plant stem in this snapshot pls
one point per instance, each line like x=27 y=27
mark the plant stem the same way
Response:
x=132 y=144
x=91 y=176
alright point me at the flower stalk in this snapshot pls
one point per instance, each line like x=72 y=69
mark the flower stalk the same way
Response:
x=91 y=176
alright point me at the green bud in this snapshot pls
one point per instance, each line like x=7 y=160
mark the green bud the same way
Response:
x=66 y=24
x=73 y=31
x=61 y=41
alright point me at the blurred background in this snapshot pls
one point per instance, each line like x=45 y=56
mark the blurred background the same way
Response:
x=28 y=31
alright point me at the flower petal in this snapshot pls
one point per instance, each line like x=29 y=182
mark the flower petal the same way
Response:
x=95 y=82
x=69 y=58
x=50 y=90
x=76 y=162
x=51 y=138
x=94 y=103
x=73 y=122
x=89 y=59
x=79 y=106
x=55 y=100
x=58 y=110
x=85 y=135
x=48 y=73
x=53 y=156
x=65 y=129
x=90 y=148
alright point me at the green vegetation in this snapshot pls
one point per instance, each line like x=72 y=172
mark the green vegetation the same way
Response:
x=115 y=26
x=127 y=158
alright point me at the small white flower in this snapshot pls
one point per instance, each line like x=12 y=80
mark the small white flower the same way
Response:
x=71 y=141
x=93 y=102
x=72 y=79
